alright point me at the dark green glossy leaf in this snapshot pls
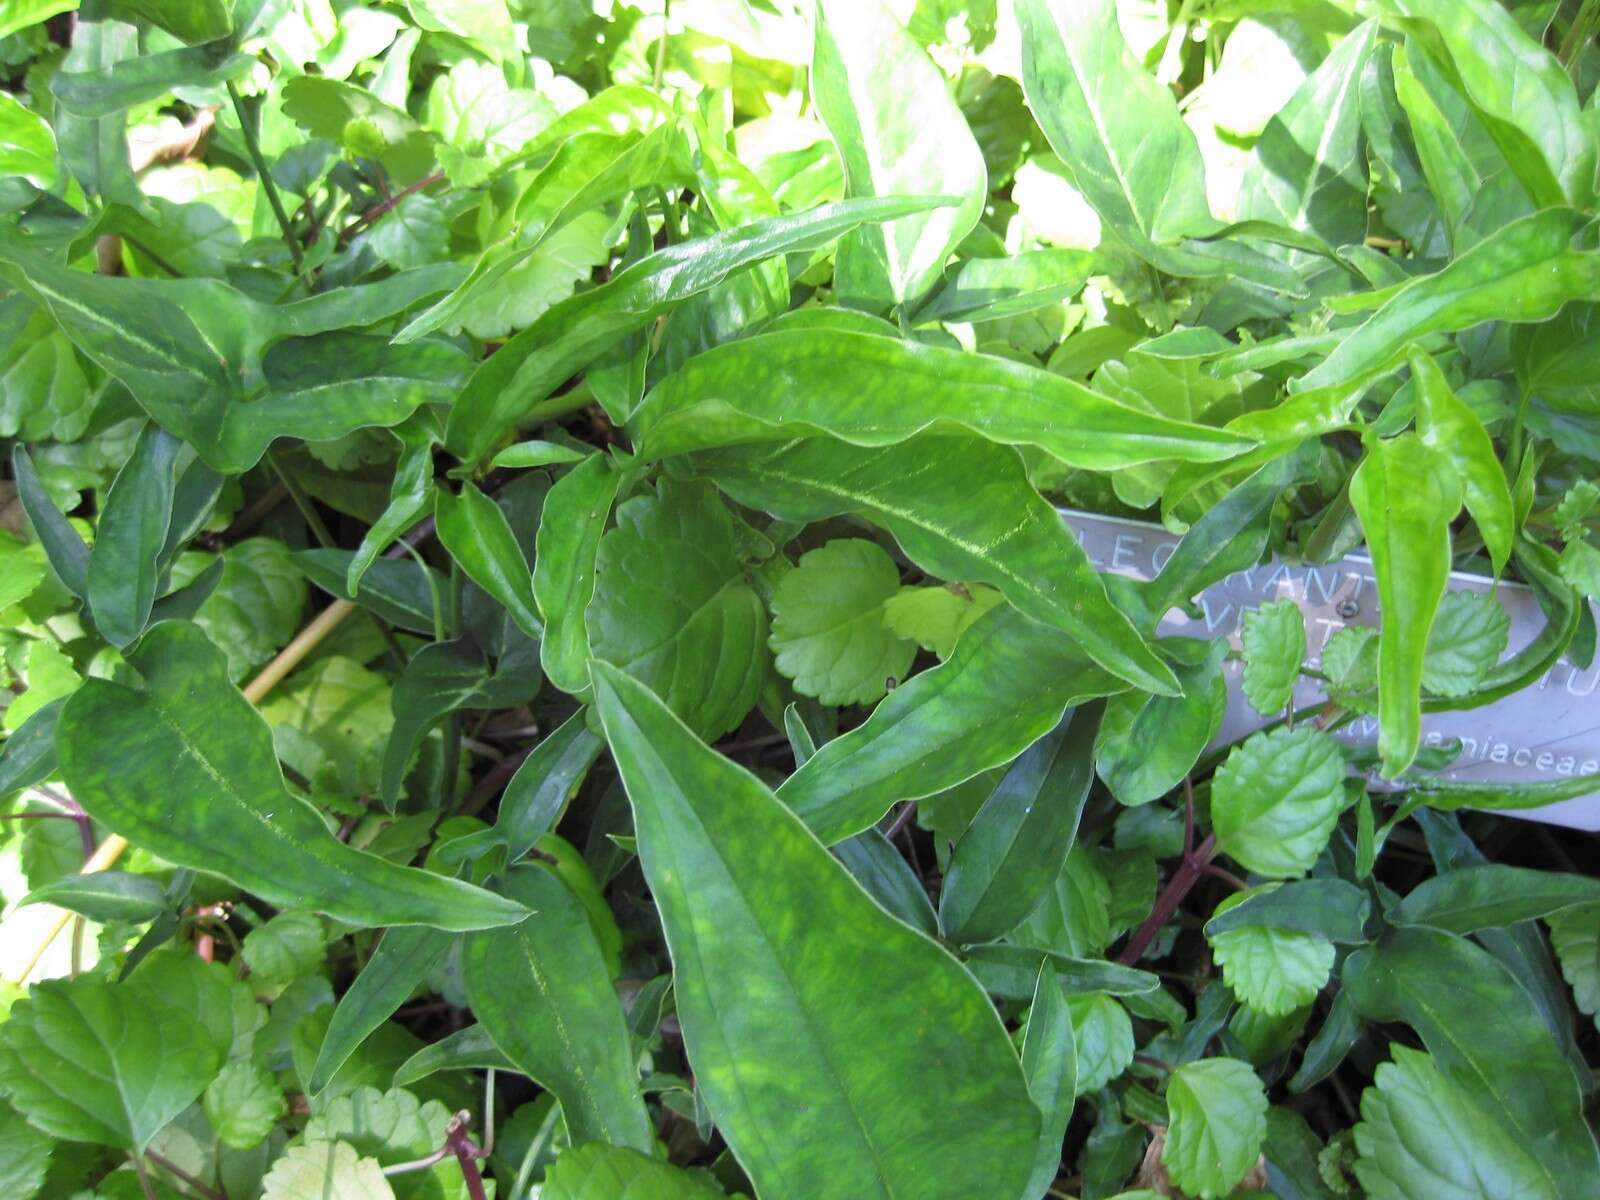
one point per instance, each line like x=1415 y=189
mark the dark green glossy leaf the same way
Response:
x=28 y=755
x=509 y=385
x=469 y=1049
x=1012 y=972
x=1007 y=685
x=1329 y=908
x=475 y=531
x=536 y=796
x=124 y=566
x=1340 y=1031
x=597 y=1172
x=1050 y=1061
x=402 y=959
x=787 y=384
x=68 y=555
x=440 y=678
x=886 y=876
x=1148 y=744
x=961 y=509
x=1484 y=1035
x=542 y=992
x=1406 y=502
x=754 y=907
x=123 y=84
x=105 y=896
x=186 y=769
x=1012 y=851
x=398 y=591
x=1491 y=895
x=575 y=516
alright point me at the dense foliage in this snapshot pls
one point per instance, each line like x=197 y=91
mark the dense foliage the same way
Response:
x=532 y=582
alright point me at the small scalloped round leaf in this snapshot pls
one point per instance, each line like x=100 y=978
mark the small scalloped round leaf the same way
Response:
x=1274 y=638
x=828 y=628
x=1273 y=971
x=1470 y=632
x=1275 y=801
x=1218 y=1121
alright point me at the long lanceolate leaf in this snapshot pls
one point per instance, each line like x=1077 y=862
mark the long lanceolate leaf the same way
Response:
x=815 y=1022
x=854 y=386
x=960 y=508
x=508 y=387
x=186 y=768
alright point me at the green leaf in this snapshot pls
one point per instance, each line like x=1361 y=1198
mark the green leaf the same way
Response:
x=537 y=454
x=1524 y=271
x=1329 y=908
x=828 y=629
x=1115 y=127
x=1276 y=798
x=989 y=289
x=1149 y=743
x=1492 y=895
x=1575 y=937
x=92 y=1061
x=576 y=511
x=1426 y=1136
x=325 y=1171
x=849 y=1109
x=1406 y=502
x=1451 y=429
x=1274 y=638
x=785 y=384
x=402 y=959
x=1074 y=917
x=1104 y=1040
x=1272 y=970
x=1012 y=852
x=960 y=508
x=185 y=768
x=466 y=1049
x=542 y=991
x=123 y=566
x=599 y=1172
x=934 y=617
x=130 y=81
x=243 y=1104
x=105 y=896
x=1013 y=971
x=399 y=591
x=510 y=384
x=1050 y=1061
x=360 y=122
x=1007 y=685
x=288 y=946
x=329 y=723
x=864 y=68
x=1308 y=170
x=1469 y=634
x=475 y=531
x=27 y=145
x=1485 y=1037
x=672 y=607
x=25 y=1154
x=68 y=555
x=1580 y=567
x=1217 y=1112
x=440 y=678
x=883 y=872
x=20 y=14
x=1525 y=98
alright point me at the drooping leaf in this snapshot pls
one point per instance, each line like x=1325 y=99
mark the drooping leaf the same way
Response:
x=725 y=860
x=186 y=768
x=1050 y=1061
x=542 y=991
x=828 y=630
x=899 y=132
x=1406 y=503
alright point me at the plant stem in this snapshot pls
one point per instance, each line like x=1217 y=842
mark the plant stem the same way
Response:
x=183 y=1177
x=661 y=46
x=387 y=205
x=252 y=143
x=143 y=1173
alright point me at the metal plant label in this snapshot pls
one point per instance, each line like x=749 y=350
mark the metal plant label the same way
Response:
x=1547 y=732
